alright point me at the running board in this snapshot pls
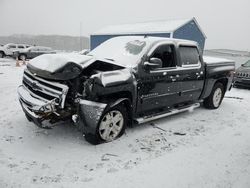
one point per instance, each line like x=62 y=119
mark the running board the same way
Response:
x=146 y=119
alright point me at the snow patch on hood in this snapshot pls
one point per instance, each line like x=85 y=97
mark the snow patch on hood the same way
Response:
x=53 y=62
x=112 y=78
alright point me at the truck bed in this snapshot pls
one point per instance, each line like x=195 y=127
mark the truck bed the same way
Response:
x=212 y=60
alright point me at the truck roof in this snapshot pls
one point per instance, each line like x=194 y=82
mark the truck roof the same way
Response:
x=152 y=40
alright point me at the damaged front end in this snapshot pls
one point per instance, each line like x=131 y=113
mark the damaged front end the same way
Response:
x=97 y=98
x=67 y=91
x=41 y=99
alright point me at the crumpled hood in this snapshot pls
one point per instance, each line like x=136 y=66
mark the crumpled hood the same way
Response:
x=54 y=62
x=59 y=66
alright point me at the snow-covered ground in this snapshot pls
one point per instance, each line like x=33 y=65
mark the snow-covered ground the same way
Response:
x=203 y=148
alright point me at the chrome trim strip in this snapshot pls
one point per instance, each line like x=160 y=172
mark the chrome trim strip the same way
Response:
x=48 y=82
x=35 y=95
x=177 y=68
x=61 y=95
x=42 y=86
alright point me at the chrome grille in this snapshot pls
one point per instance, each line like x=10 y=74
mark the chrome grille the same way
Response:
x=44 y=89
x=243 y=75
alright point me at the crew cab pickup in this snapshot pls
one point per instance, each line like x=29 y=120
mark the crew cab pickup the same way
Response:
x=125 y=80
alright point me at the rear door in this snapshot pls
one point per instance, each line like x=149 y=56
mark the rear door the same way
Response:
x=159 y=88
x=191 y=73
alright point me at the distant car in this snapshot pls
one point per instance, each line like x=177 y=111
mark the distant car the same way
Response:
x=9 y=49
x=32 y=52
x=242 y=75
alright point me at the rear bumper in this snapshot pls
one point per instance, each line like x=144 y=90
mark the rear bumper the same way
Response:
x=36 y=109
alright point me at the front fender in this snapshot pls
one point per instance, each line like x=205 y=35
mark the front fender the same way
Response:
x=119 y=101
x=89 y=114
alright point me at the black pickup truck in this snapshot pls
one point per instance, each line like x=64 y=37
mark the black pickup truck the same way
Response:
x=125 y=80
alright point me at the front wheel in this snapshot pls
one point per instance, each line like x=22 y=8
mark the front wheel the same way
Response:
x=213 y=101
x=111 y=125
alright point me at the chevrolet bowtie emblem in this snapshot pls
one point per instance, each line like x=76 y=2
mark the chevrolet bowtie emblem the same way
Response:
x=34 y=85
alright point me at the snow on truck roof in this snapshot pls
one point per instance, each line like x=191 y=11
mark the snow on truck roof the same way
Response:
x=128 y=50
x=150 y=40
x=162 y=26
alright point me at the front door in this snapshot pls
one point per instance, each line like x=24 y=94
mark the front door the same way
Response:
x=159 y=88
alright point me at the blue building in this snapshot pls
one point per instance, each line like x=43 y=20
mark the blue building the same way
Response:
x=188 y=29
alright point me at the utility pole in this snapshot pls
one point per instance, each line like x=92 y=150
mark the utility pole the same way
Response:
x=80 y=36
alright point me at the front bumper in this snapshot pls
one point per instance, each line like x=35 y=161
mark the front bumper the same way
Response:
x=242 y=82
x=36 y=109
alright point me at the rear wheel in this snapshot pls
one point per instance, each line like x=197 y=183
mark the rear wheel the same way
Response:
x=111 y=125
x=2 y=54
x=214 y=100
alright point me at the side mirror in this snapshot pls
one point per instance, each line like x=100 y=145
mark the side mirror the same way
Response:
x=242 y=65
x=153 y=63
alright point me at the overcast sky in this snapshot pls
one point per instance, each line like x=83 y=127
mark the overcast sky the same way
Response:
x=225 y=22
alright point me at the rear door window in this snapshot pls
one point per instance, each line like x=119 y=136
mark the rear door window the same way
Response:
x=189 y=55
x=12 y=46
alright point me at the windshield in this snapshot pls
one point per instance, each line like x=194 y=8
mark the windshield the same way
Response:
x=126 y=51
x=247 y=64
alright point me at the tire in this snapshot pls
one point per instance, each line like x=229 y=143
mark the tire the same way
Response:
x=22 y=57
x=111 y=125
x=2 y=55
x=213 y=101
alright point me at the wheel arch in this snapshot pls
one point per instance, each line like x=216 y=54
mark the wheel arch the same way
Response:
x=224 y=82
x=210 y=83
x=123 y=98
